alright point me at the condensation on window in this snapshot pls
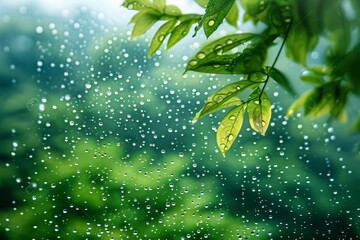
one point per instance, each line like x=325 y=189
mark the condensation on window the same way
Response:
x=97 y=142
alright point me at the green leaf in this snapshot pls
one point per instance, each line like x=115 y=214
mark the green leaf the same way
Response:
x=202 y=3
x=160 y=4
x=259 y=111
x=229 y=128
x=181 y=30
x=349 y=65
x=280 y=78
x=250 y=60
x=253 y=57
x=140 y=14
x=337 y=111
x=328 y=98
x=215 y=13
x=310 y=15
x=355 y=126
x=230 y=102
x=299 y=43
x=160 y=36
x=233 y=15
x=143 y=22
x=318 y=104
x=320 y=69
x=216 y=64
x=247 y=62
x=217 y=48
x=298 y=103
x=220 y=99
x=172 y=10
x=279 y=16
x=313 y=78
x=138 y=4
x=254 y=7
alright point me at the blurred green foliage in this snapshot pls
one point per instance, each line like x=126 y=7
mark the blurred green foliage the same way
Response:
x=102 y=149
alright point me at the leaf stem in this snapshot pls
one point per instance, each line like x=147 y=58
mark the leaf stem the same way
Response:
x=275 y=60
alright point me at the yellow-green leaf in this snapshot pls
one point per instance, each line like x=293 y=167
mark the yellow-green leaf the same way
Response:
x=328 y=98
x=202 y=3
x=318 y=103
x=313 y=78
x=320 y=69
x=143 y=22
x=181 y=30
x=172 y=10
x=222 y=96
x=259 y=111
x=137 y=4
x=230 y=102
x=160 y=35
x=233 y=15
x=298 y=103
x=229 y=128
x=160 y=4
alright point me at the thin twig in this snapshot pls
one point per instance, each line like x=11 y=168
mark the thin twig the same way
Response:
x=275 y=60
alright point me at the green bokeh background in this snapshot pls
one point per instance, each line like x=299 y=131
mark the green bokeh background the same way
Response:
x=97 y=143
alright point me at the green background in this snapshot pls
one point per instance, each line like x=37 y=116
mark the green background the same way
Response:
x=97 y=143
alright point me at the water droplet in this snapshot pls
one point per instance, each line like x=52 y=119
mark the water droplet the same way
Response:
x=218 y=98
x=161 y=38
x=231 y=137
x=209 y=104
x=216 y=65
x=262 y=5
x=201 y=55
x=256 y=102
x=130 y=6
x=229 y=41
x=257 y=76
x=232 y=117
x=39 y=29
x=211 y=23
x=193 y=62
x=218 y=50
x=263 y=123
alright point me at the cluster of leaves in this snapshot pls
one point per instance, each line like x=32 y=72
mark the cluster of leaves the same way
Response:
x=299 y=23
x=177 y=25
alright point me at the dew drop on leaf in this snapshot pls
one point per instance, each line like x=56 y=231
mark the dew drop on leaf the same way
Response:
x=200 y=55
